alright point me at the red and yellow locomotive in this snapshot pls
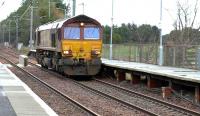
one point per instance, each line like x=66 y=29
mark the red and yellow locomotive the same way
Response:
x=72 y=46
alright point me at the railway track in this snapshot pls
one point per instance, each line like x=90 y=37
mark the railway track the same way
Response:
x=99 y=94
x=90 y=112
x=169 y=107
x=165 y=107
x=89 y=89
x=132 y=106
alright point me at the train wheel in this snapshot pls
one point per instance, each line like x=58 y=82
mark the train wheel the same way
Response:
x=60 y=70
x=43 y=64
x=56 y=67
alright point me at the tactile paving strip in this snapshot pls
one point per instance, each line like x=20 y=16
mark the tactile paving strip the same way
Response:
x=5 y=107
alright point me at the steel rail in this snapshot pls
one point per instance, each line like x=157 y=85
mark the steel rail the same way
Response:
x=52 y=88
x=114 y=98
x=149 y=97
x=100 y=93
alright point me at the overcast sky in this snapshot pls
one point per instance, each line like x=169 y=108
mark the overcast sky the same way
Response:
x=125 y=11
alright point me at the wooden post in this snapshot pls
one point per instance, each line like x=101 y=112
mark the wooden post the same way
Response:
x=151 y=83
x=197 y=94
x=166 y=92
x=120 y=75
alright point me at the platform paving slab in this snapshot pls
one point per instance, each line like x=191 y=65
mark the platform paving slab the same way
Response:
x=17 y=99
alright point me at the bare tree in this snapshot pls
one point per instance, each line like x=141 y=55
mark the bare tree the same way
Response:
x=186 y=30
x=186 y=14
x=186 y=22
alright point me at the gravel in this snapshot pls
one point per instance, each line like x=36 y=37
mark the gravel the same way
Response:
x=99 y=104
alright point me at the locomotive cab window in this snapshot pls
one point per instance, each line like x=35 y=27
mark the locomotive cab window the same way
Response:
x=92 y=33
x=72 y=33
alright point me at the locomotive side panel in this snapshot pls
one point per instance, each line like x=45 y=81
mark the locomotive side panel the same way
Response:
x=45 y=39
x=47 y=46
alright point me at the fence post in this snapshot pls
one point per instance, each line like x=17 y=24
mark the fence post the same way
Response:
x=196 y=57
x=136 y=51
x=148 y=52
x=156 y=54
x=174 y=56
x=140 y=53
x=183 y=59
x=129 y=53
x=165 y=53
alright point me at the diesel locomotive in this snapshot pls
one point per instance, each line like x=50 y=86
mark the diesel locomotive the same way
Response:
x=72 y=46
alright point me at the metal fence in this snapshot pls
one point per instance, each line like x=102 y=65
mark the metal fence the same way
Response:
x=184 y=56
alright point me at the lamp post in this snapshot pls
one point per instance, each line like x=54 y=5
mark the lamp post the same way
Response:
x=31 y=27
x=49 y=8
x=111 y=32
x=74 y=8
x=3 y=32
x=9 y=32
x=161 y=39
x=17 y=26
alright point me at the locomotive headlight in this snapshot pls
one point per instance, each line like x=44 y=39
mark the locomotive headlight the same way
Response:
x=98 y=52
x=66 y=52
x=94 y=52
x=82 y=24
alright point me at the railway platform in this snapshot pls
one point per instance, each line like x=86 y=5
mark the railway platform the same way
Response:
x=17 y=99
x=156 y=74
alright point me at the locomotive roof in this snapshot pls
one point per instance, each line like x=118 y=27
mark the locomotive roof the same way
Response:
x=59 y=23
